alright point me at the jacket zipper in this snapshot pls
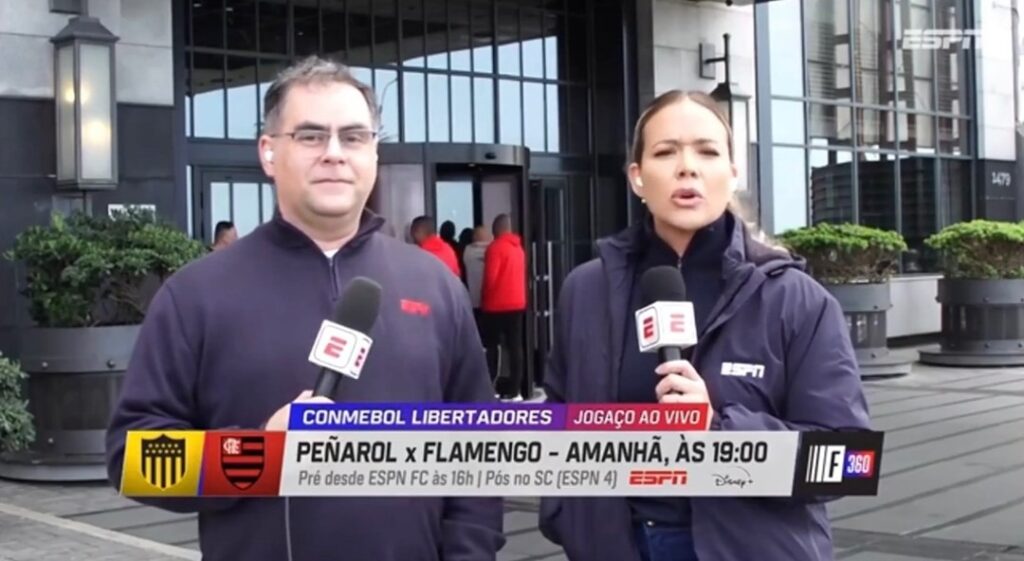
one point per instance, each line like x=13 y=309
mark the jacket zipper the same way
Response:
x=334 y=279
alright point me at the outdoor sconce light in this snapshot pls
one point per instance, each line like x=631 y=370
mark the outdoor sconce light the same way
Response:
x=734 y=105
x=86 y=102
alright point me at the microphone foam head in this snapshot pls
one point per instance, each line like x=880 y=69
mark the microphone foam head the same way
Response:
x=359 y=305
x=664 y=284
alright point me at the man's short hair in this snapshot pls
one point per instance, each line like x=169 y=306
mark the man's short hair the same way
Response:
x=424 y=223
x=502 y=223
x=312 y=70
x=222 y=228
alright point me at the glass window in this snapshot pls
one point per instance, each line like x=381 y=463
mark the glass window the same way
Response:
x=243 y=102
x=533 y=44
x=461 y=102
x=208 y=23
x=208 y=105
x=954 y=136
x=828 y=49
x=241 y=24
x=918 y=209
x=459 y=35
x=385 y=32
x=917 y=132
x=220 y=203
x=555 y=50
x=385 y=83
x=914 y=67
x=951 y=64
x=482 y=39
x=831 y=186
x=413 y=33
x=873 y=60
x=875 y=128
x=790 y=188
x=830 y=125
x=533 y=116
x=246 y=203
x=307 y=28
x=414 y=115
x=787 y=122
x=483 y=109
x=954 y=192
x=455 y=203
x=333 y=18
x=273 y=27
x=554 y=123
x=508 y=41
x=510 y=116
x=876 y=181
x=438 y=111
x=436 y=33
x=786 y=47
x=359 y=38
x=268 y=200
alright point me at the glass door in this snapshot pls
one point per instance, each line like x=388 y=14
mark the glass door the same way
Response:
x=244 y=197
x=549 y=255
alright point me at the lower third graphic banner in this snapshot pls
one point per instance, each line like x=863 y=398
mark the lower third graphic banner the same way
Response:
x=492 y=459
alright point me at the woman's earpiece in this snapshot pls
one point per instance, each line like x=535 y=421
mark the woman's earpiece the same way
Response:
x=639 y=182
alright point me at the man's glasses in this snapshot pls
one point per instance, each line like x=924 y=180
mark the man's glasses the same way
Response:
x=318 y=139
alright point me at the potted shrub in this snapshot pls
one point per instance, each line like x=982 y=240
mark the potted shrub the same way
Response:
x=88 y=281
x=854 y=263
x=16 y=431
x=981 y=294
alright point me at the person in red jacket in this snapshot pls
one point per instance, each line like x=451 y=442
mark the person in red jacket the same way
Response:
x=424 y=233
x=503 y=305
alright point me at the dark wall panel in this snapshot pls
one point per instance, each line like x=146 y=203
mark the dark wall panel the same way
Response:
x=28 y=196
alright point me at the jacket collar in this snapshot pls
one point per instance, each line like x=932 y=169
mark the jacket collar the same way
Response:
x=285 y=234
x=746 y=263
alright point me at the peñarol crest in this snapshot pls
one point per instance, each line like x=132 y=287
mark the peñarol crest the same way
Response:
x=163 y=461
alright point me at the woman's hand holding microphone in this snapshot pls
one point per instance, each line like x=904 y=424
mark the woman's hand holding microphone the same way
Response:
x=680 y=383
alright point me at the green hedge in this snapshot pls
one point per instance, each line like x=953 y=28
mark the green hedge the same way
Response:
x=16 y=430
x=845 y=253
x=84 y=271
x=980 y=249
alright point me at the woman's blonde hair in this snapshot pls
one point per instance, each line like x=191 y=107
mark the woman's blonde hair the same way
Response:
x=736 y=207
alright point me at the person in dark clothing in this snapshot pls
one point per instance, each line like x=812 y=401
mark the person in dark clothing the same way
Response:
x=225 y=341
x=447 y=233
x=753 y=303
x=503 y=307
x=224 y=234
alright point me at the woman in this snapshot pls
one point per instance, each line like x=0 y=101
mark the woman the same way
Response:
x=752 y=304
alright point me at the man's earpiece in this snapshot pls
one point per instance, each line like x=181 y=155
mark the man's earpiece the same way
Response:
x=268 y=155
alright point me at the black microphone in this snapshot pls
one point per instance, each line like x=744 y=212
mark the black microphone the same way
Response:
x=341 y=349
x=671 y=329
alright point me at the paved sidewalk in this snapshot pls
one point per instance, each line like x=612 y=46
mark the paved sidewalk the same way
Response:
x=952 y=489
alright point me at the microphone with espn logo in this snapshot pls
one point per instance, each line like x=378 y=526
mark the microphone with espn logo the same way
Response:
x=342 y=345
x=666 y=324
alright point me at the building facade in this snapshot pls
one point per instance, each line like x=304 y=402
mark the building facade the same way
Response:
x=527 y=107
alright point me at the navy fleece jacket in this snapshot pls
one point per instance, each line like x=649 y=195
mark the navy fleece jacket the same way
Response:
x=225 y=344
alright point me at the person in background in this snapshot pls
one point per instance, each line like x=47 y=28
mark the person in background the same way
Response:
x=473 y=265
x=424 y=234
x=753 y=304
x=224 y=234
x=465 y=239
x=503 y=306
x=447 y=233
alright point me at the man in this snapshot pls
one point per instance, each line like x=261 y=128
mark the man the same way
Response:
x=473 y=264
x=214 y=354
x=424 y=234
x=224 y=234
x=503 y=303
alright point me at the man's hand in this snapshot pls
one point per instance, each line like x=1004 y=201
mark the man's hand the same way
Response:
x=681 y=383
x=279 y=420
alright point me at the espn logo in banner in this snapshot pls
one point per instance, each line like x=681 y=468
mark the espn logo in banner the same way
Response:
x=841 y=463
x=664 y=324
x=340 y=349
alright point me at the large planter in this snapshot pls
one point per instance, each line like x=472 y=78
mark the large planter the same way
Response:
x=864 y=306
x=982 y=323
x=74 y=379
